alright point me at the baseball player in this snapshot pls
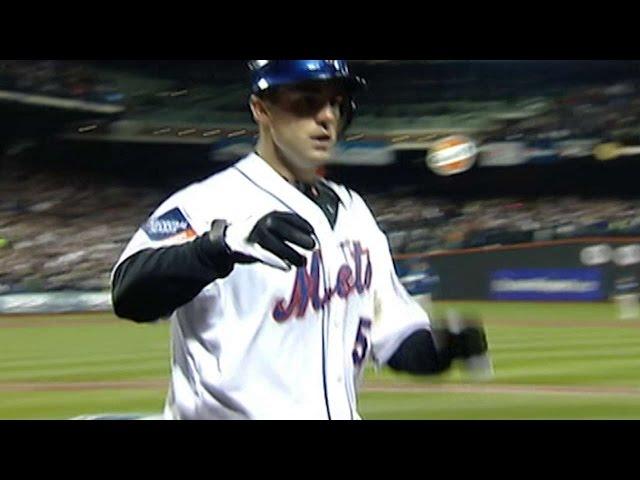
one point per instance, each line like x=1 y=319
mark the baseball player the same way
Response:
x=279 y=284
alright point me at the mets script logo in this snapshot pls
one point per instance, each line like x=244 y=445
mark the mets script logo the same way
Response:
x=306 y=289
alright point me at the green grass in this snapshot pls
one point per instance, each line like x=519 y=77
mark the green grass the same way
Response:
x=535 y=347
x=74 y=351
x=65 y=405
x=475 y=406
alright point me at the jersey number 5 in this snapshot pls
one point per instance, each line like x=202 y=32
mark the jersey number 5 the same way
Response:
x=361 y=347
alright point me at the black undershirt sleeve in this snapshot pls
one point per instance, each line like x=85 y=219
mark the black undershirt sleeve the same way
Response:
x=418 y=355
x=153 y=283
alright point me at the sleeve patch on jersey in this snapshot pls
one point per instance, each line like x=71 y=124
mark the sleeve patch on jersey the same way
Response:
x=171 y=225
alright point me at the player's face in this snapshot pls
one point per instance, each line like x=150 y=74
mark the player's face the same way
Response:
x=305 y=122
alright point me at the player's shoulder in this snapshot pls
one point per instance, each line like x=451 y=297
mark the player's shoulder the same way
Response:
x=217 y=186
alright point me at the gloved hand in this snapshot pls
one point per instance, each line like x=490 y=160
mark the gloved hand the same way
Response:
x=467 y=341
x=270 y=240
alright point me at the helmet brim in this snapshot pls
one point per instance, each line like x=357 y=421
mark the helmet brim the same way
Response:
x=351 y=84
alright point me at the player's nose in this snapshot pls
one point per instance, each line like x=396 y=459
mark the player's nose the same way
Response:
x=328 y=113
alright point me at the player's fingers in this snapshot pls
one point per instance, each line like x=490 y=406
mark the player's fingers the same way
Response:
x=282 y=250
x=268 y=258
x=297 y=237
x=295 y=221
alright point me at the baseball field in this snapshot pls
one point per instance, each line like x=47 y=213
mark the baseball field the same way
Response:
x=552 y=361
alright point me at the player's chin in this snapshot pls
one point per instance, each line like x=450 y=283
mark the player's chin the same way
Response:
x=320 y=155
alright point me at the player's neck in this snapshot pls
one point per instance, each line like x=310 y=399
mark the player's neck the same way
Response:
x=285 y=168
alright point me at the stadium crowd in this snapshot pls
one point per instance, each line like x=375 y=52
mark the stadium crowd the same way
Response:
x=416 y=224
x=60 y=233
x=56 y=79
x=65 y=233
x=606 y=112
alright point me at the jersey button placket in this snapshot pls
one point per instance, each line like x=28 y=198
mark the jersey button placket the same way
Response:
x=335 y=347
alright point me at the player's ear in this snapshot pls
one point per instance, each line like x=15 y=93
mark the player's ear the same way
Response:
x=258 y=109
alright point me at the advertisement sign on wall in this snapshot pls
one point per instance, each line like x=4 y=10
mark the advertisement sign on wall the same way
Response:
x=570 y=284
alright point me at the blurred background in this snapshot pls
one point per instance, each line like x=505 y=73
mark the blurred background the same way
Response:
x=540 y=238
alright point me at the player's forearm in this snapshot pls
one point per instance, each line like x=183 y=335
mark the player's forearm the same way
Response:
x=153 y=283
x=419 y=355
x=431 y=352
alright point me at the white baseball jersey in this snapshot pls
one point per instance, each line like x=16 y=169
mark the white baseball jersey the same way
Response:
x=268 y=344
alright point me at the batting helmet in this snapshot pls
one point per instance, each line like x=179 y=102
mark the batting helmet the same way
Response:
x=268 y=74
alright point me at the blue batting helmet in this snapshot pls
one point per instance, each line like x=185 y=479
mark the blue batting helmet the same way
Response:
x=268 y=74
